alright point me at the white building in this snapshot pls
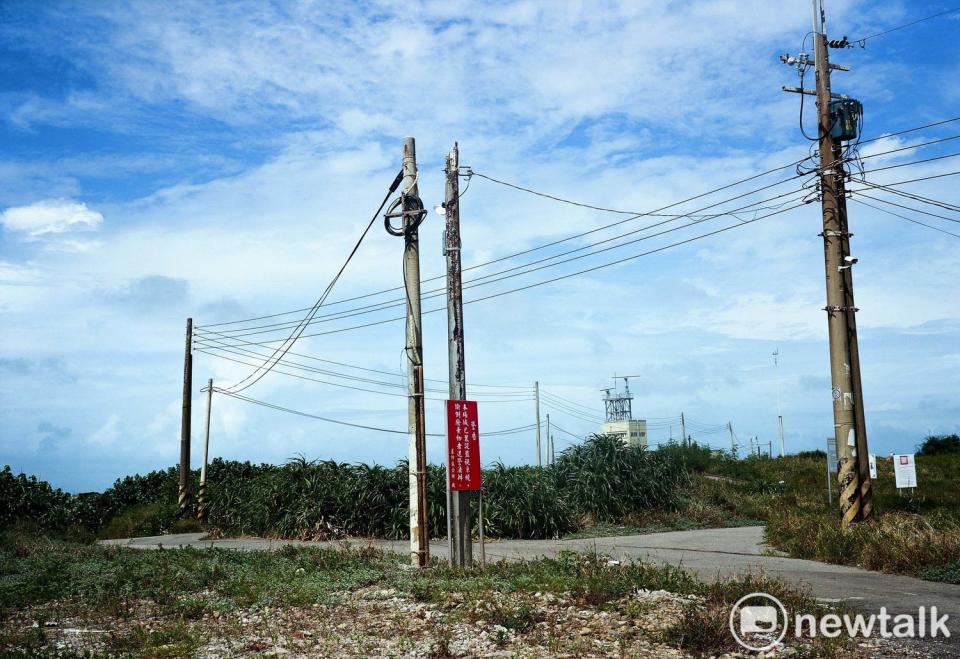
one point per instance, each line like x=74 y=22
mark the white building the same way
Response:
x=632 y=432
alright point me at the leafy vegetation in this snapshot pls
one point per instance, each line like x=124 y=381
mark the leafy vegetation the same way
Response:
x=601 y=479
x=940 y=444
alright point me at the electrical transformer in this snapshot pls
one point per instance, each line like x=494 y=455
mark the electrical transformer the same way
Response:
x=845 y=113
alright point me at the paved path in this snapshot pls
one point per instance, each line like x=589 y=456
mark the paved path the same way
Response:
x=707 y=552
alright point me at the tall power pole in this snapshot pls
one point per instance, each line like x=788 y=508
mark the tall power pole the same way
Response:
x=184 y=494
x=458 y=502
x=776 y=375
x=683 y=429
x=536 y=398
x=416 y=410
x=202 y=489
x=548 y=439
x=840 y=306
x=863 y=450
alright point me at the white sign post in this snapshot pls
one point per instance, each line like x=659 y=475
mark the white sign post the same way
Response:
x=831 y=466
x=873 y=466
x=905 y=470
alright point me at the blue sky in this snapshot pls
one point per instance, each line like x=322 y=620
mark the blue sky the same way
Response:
x=217 y=161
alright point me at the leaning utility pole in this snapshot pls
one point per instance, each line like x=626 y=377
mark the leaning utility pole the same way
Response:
x=733 y=441
x=840 y=307
x=863 y=450
x=458 y=501
x=536 y=398
x=184 y=494
x=412 y=215
x=202 y=489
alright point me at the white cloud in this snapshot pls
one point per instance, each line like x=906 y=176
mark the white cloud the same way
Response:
x=49 y=217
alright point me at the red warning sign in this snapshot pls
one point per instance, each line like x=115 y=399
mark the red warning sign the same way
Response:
x=463 y=445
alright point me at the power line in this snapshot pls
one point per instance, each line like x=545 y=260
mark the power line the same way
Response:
x=917 y=180
x=863 y=40
x=474 y=284
x=911 y=195
x=271 y=362
x=904 y=217
x=527 y=267
x=860 y=193
x=568 y=401
x=909 y=130
x=288 y=410
x=521 y=253
x=242 y=352
x=651 y=213
x=555 y=279
x=912 y=162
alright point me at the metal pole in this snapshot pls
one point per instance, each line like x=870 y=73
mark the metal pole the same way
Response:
x=776 y=376
x=837 y=297
x=458 y=503
x=536 y=398
x=416 y=413
x=184 y=494
x=202 y=490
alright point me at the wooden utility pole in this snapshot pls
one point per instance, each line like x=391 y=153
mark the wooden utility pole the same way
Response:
x=458 y=501
x=536 y=398
x=840 y=307
x=202 y=489
x=416 y=412
x=184 y=494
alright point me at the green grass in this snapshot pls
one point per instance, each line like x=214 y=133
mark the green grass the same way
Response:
x=165 y=595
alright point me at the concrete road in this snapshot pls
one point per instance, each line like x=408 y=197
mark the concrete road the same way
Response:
x=710 y=553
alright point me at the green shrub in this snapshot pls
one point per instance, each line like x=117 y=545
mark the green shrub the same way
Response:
x=940 y=444
x=607 y=480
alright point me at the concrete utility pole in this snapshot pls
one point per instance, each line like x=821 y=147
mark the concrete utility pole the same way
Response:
x=202 y=490
x=733 y=440
x=776 y=375
x=683 y=429
x=184 y=494
x=458 y=502
x=548 y=439
x=863 y=449
x=416 y=412
x=536 y=398
x=840 y=307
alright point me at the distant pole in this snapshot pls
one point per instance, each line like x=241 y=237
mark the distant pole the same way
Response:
x=536 y=398
x=548 y=439
x=733 y=441
x=202 y=490
x=553 y=455
x=458 y=502
x=683 y=429
x=184 y=495
x=416 y=412
x=776 y=370
x=839 y=299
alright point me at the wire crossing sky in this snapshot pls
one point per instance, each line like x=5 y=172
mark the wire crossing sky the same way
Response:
x=623 y=211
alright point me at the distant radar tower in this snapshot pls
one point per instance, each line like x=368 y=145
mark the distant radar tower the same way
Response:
x=619 y=415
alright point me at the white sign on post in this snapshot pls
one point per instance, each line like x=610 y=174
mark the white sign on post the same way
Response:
x=905 y=470
x=873 y=466
x=832 y=455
